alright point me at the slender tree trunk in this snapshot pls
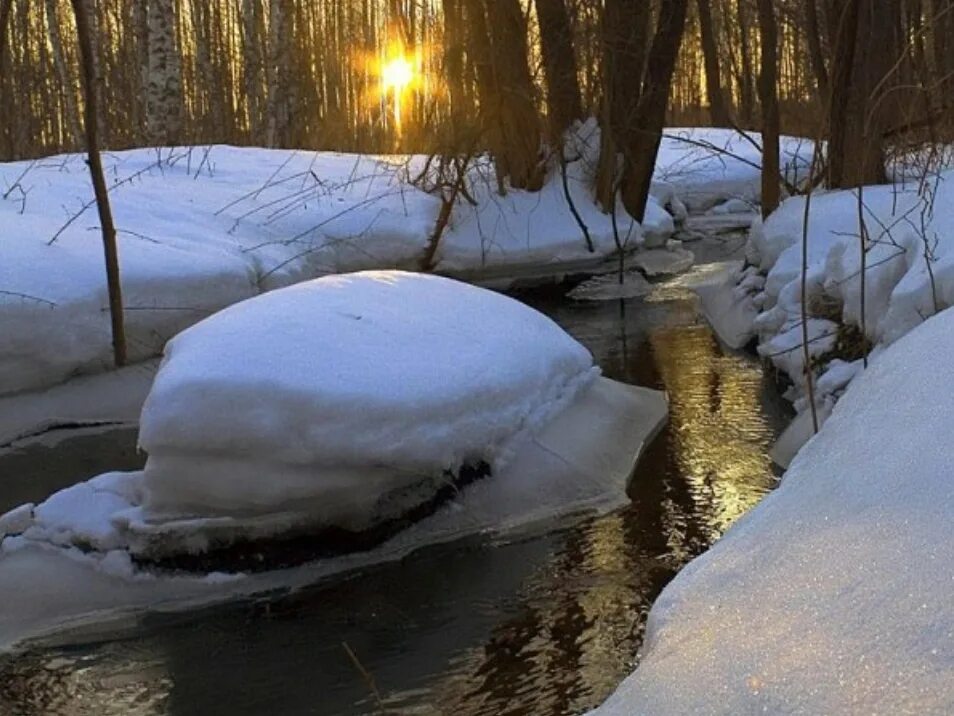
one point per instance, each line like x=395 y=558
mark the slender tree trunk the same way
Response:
x=768 y=97
x=746 y=89
x=710 y=50
x=63 y=76
x=817 y=54
x=642 y=144
x=280 y=87
x=564 y=105
x=90 y=80
x=252 y=53
x=164 y=89
x=5 y=12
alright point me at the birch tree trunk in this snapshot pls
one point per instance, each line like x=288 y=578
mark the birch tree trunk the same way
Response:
x=164 y=86
x=280 y=88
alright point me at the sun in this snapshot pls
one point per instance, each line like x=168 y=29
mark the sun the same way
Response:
x=397 y=74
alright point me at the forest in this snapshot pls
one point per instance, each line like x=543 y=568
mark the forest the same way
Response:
x=476 y=357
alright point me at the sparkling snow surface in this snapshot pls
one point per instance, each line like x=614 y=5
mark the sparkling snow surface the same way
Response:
x=835 y=594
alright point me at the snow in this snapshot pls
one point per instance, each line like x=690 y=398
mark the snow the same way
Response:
x=706 y=167
x=201 y=228
x=834 y=594
x=909 y=276
x=106 y=399
x=74 y=550
x=380 y=379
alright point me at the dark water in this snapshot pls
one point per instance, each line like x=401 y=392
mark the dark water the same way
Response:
x=549 y=625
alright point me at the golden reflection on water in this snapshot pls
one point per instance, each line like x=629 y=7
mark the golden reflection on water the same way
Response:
x=721 y=439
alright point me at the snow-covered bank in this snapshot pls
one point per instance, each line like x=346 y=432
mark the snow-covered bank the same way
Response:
x=201 y=228
x=330 y=424
x=909 y=276
x=834 y=594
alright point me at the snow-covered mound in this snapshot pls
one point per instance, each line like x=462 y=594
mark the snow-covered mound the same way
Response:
x=323 y=397
x=833 y=595
x=72 y=551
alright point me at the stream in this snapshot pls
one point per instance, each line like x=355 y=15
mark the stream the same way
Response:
x=545 y=625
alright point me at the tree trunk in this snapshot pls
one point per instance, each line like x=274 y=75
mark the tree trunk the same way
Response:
x=642 y=144
x=164 y=89
x=746 y=90
x=564 y=105
x=252 y=38
x=625 y=34
x=815 y=50
x=718 y=113
x=280 y=87
x=506 y=91
x=63 y=76
x=5 y=8
x=861 y=93
x=87 y=50
x=768 y=97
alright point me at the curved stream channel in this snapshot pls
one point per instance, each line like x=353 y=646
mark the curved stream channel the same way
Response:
x=548 y=625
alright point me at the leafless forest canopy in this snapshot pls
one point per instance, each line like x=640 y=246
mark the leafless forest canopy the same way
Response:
x=501 y=75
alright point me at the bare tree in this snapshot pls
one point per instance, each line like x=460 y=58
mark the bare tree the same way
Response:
x=642 y=144
x=717 y=109
x=91 y=94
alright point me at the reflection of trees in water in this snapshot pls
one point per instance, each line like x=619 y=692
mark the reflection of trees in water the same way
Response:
x=61 y=685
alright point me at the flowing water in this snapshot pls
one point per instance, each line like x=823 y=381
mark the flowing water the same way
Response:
x=548 y=625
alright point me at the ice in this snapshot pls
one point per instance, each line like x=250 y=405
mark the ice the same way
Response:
x=610 y=287
x=834 y=594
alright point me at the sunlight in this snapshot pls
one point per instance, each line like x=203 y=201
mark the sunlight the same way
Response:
x=398 y=74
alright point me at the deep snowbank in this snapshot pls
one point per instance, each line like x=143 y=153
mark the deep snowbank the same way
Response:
x=834 y=594
x=200 y=229
x=323 y=397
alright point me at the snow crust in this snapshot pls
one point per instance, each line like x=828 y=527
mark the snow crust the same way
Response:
x=834 y=594
x=706 y=167
x=340 y=388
